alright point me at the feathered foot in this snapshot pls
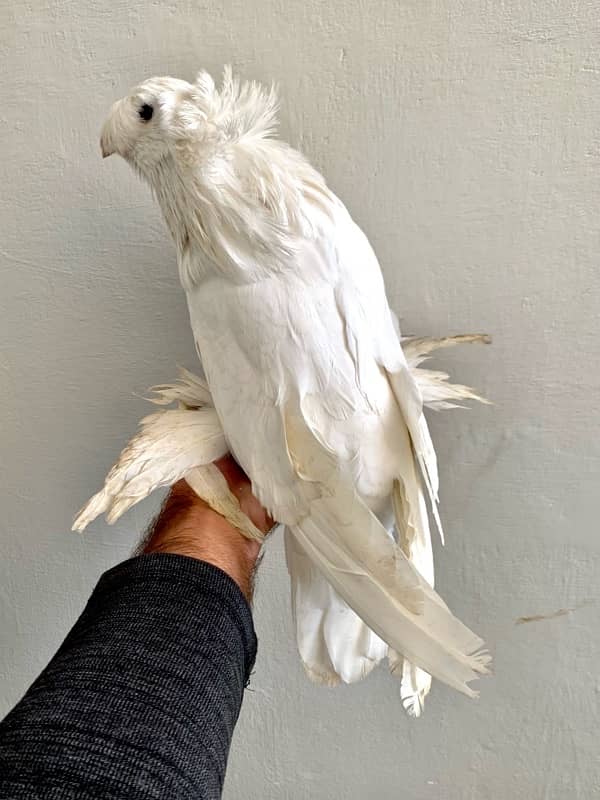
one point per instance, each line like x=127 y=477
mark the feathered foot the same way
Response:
x=172 y=444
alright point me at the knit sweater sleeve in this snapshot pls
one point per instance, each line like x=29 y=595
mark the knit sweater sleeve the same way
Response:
x=142 y=697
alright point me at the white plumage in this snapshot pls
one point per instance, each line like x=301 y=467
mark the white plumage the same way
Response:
x=311 y=388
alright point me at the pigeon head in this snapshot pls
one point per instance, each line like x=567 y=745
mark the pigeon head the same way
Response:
x=156 y=121
x=168 y=118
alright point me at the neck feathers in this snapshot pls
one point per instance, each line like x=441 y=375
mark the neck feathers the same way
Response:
x=236 y=200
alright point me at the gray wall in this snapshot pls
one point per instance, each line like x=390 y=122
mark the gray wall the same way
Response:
x=465 y=139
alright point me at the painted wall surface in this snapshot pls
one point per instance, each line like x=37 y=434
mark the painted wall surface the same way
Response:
x=465 y=139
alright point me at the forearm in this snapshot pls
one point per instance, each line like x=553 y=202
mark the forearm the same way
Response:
x=142 y=697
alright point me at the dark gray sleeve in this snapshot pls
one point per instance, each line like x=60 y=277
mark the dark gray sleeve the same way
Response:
x=142 y=698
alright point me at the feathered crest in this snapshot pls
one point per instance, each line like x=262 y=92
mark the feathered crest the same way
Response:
x=242 y=198
x=239 y=109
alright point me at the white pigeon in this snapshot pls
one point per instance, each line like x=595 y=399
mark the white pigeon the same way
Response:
x=307 y=384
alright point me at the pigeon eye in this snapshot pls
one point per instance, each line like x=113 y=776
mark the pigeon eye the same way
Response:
x=146 y=112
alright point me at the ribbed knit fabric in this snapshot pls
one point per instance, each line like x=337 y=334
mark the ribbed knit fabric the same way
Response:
x=142 y=698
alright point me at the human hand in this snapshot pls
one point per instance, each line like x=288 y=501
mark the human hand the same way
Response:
x=188 y=526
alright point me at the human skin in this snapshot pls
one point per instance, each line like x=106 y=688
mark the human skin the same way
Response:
x=188 y=526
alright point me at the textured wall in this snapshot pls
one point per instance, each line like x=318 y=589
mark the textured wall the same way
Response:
x=464 y=136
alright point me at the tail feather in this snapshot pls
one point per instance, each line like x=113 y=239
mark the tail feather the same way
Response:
x=334 y=643
x=412 y=524
x=348 y=544
x=410 y=401
x=415 y=684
